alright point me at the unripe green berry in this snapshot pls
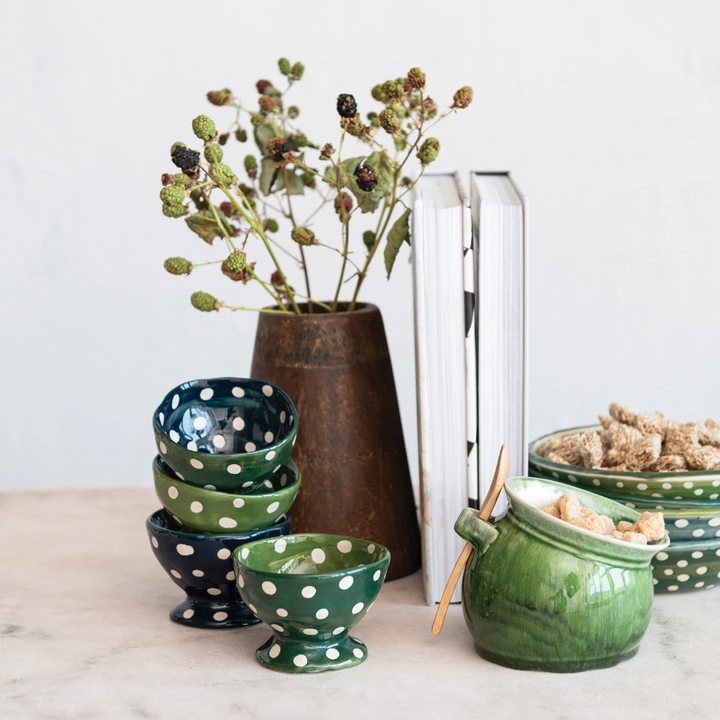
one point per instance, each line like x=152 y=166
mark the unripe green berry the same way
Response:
x=256 y=119
x=250 y=162
x=303 y=236
x=369 y=238
x=176 y=144
x=416 y=78
x=355 y=128
x=298 y=69
x=241 y=135
x=221 y=174
x=393 y=90
x=172 y=195
x=173 y=211
x=389 y=121
x=378 y=93
x=429 y=151
x=236 y=261
x=205 y=302
x=463 y=97
x=178 y=266
x=213 y=153
x=204 y=127
x=293 y=111
x=284 y=65
x=182 y=179
x=272 y=225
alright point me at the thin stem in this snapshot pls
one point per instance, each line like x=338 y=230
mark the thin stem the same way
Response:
x=261 y=310
x=302 y=251
x=346 y=234
x=275 y=297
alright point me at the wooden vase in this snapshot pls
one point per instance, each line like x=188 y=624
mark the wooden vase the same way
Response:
x=350 y=448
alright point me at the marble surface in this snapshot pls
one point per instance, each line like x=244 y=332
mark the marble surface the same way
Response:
x=84 y=633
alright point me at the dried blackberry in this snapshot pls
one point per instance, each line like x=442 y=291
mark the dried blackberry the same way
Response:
x=366 y=178
x=346 y=105
x=184 y=158
x=277 y=147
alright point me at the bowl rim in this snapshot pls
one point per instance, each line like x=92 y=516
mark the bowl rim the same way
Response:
x=639 y=474
x=684 y=545
x=377 y=564
x=282 y=520
x=207 y=492
x=236 y=381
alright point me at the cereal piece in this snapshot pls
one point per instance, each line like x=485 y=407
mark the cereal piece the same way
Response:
x=651 y=525
x=680 y=437
x=591 y=449
x=552 y=509
x=709 y=433
x=705 y=457
x=644 y=452
x=618 y=468
x=669 y=463
x=655 y=423
x=712 y=424
x=624 y=526
x=569 y=507
x=634 y=537
x=624 y=414
x=549 y=446
x=556 y=457
x=621 y=437
x=605 y=421
x=613 y=457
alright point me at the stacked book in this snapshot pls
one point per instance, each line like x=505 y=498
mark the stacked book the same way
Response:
x=470 y=289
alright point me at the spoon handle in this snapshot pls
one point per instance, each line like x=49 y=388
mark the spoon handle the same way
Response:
x=501 y=471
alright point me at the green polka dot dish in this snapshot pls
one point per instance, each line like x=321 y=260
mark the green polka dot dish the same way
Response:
x=231 y=433
x=213 y=511
x=695 y=485
x=311 y=589
x=686 y=566
x=643 y=502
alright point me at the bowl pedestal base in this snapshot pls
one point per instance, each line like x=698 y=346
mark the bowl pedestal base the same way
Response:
x=213 y=615
x=293 y=655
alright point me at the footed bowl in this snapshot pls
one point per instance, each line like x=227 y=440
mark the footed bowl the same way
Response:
x=201 y=565
x=684 y=566
x=213 y=511
x=311 y=589
x=231 y=433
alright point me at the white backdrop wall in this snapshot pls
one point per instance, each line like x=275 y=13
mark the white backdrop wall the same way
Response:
x=607 y=115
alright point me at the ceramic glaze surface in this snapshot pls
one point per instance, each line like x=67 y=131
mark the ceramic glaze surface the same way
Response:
x=542 y=594
x=311 y=589
x=231 y=433
x=696 y=485
x=201 y=565
x=687 y=566
x=213 y=511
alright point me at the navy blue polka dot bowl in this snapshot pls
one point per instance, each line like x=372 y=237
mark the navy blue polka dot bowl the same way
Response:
x=201 y=565
x=230 y=433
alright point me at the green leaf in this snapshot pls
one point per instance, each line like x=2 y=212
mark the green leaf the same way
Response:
x=264 y=134
x=268 y=173
x=204 y=225
x=295 y=183
x=368 y=202
x=399 y=232
x=347 y=172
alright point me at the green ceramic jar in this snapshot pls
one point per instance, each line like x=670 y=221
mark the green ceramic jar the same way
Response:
x=541 y=594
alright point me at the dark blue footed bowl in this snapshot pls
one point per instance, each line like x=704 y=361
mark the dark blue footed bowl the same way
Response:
x=201 y=565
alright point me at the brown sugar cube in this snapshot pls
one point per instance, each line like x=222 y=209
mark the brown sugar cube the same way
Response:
x=591 y=449
x=624 y=526
x=624 y=414
x=669 y=463
x=651 y=525
x=569 y=507
x=705 y=457
x=644 y=452
x=634 y=537
x=616 y=534
x=608 y=524
x=552 y=509
x=680 y=437
x=709 y=433
x=587 y=512
x=653 y=424
x=593 y=524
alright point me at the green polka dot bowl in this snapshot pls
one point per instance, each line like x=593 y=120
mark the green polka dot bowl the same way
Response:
x=231 y=433
x=213 y=511
x=686 y=566
x=311 y=589
x=696 y=484
x=643 y=502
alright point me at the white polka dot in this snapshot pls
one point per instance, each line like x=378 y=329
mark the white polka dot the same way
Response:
x=291 y=419
x=161 y=417
x=220 y=616
x=332 y=654
x=214 y=591
x=238 y=423
x=247 y=484
x=697 y=555
x=668 y=571
x=177 y=519
x=371 y=548
x=698 y=533
x=681 y=523
x=270 y=455
x=630 y=505
x=716 y=483
x=267 y=390
x=192 y=446
x=196 y=464
x=344 y=546
x=174 y=436
x=198 y=573
x=572 y=478
x=268 y=485
x=282 y=416
x=199 y=423
x=682 y=563
x=218 y=441
x=294 y=440
x=662 y=556
x=185 y=549
x=357 y=608
x=280 y=545
x=172 y=492
x=175 y=573
x=206 y=393
x=244 y=553
x=698 y=491
x=282 y=612
x=272 y=507
x=209 y=487
x=714 y=522
x=283 y=480
x=308 y=591
x=687 y=484
x=238 y=502
x=318 y=556
x=619 y=484
x=269 y=588
x=699 y=584
x=701 y=570
x=322 y=613
x=196 y=506
x=300 y=661
x=227 y=522
x=655 y=581
x=338 y=630
x=556 y=476
x=240 y=581
x=683 y=577
x=163 y=448
x=310 y=631
x=175 y=401
x=268 y=437
x=230 y=576
x=279 y=628
x=667 y=486
x=252 y=607
x=223 y=554
x=717 y=552
x=274 y=651
x=641 y=486
x=673 y=588
x=358 y=653
x=346 y=582
x=238 y=392
x=233 y=468
x=188 y=614
x=154 y=542
x=594 y=482
x=250 y=447
x=276 y=469
x=656 y=495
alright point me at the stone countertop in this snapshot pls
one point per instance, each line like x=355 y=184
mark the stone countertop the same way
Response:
x=84 y=633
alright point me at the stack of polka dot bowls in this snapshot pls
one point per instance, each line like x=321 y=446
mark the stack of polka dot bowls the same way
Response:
x=689 y=501
x=225 y=478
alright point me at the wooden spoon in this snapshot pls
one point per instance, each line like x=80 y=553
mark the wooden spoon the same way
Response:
x=501 y=471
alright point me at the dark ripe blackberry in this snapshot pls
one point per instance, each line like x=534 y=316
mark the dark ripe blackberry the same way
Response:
x=346 y=105
x=184 y=158
x=366 y=178
x=277 y=147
